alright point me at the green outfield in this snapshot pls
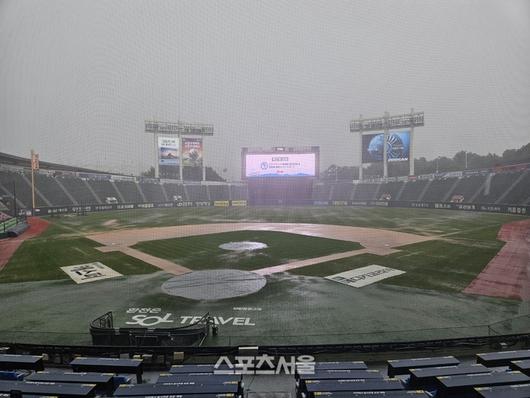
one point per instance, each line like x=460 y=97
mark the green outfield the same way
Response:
x=437 y=265
x=296 y=306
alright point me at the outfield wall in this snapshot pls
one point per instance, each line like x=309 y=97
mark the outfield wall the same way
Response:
x=477 y=207
x=480 y=207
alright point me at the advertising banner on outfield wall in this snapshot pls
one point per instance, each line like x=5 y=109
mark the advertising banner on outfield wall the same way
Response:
x=192 y=152
x=481 y=207
x=398 y=146
x=168 y=151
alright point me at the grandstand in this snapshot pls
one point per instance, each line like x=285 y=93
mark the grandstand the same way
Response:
x=55 y=188
x=412 y=190
x=363 y=192
x=197 y=193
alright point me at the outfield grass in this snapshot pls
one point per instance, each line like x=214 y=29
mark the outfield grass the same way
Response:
x=203 y=252
x=41 y=259
x=437 y=265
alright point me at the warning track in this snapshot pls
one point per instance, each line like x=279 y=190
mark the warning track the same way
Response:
x=507 y=274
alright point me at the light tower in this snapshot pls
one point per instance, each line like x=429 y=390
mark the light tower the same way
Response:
x=384 y=125
x=178 y=129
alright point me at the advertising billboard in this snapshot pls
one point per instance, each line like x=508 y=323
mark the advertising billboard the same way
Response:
x=398 y=146
x=192 y=152
x=280 y=165
x=168 y=151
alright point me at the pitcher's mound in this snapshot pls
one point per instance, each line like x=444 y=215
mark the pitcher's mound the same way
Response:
x=214 y=284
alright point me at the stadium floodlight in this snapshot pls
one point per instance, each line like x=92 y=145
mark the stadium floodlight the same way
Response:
x=385 y=124
x=412 y=119
x=179 y=129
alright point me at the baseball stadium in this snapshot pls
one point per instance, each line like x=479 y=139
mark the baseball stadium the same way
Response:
x=393 y=244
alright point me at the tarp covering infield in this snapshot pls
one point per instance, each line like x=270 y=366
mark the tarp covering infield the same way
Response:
x=289 y=310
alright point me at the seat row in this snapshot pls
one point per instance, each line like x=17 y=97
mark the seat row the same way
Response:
x=496 y=374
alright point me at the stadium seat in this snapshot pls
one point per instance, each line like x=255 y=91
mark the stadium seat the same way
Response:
x=14 y=362
x=502 y=358
x=402 y=366
x=114 y=365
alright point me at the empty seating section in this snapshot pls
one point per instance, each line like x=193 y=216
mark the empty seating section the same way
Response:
x=321 y=192
x=51 y=190
x=520 y=193
x=504 y=188
x=498 y=186
x=439 y=376
x=197 y=193
x=438 y=189
x=468 y=186
x=390 y=190
x=494 y=374
x=413 y=190
x=103 y=189
x=219 y=192
x=78 y=189
x=129 y=191
x=365 y=191
x=342 y=191
x=152 y=192
x=239 y=192
x=175 y=190
x=7 y=179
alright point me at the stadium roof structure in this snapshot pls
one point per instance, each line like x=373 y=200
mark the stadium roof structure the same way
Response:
x=20 y=161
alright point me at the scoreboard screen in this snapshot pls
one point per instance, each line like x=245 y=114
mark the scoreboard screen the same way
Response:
x=280 y=164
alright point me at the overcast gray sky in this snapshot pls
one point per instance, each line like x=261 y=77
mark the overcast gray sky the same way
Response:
x=78 y=78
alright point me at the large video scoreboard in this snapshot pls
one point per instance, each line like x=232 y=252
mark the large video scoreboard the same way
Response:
x=280 y=162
